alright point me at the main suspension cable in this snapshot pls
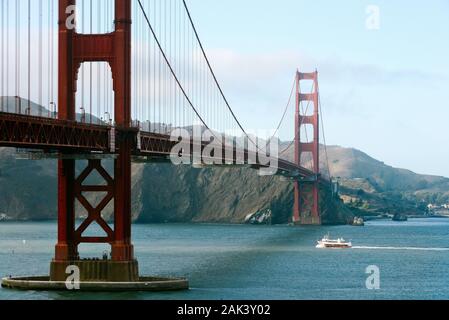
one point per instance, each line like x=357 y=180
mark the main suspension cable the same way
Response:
x=211 y=70
x=218 y=84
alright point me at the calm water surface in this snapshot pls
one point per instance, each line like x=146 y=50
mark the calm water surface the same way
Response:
x=249 y=262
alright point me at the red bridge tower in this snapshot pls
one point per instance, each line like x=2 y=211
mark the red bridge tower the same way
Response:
x=306 y=207
x=115 y=49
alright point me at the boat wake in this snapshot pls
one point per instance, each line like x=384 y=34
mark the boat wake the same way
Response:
x=400 y=248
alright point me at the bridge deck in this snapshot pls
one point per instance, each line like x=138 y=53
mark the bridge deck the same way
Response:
x=53 y=135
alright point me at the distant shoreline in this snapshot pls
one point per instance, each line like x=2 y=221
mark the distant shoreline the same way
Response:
x=371 y=218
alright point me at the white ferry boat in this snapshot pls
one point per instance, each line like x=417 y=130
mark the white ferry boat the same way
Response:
x=340 y=243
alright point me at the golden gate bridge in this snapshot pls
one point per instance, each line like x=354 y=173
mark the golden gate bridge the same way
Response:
x=112 y=79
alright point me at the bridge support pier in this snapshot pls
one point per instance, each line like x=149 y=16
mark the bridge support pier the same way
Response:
x=306 y=209
x=115 y=49
x=122 y=267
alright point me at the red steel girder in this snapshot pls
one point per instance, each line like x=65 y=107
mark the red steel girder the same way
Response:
x=24 y=131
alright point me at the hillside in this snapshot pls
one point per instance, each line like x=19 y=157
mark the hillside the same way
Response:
x=161 y=193
x=368 y=186
x=375 y=187
x=28 y=190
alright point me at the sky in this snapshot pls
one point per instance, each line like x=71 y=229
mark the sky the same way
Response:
x=384 y=90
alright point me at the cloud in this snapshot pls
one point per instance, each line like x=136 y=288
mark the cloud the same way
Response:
x=249 y=69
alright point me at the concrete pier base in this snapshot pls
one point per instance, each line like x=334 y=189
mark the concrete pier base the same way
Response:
x=308 y=221
x=96 y=275
x=153 y=284
x=97 y=270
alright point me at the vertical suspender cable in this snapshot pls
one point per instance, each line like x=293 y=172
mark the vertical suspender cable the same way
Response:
x=184 y=63
x=146 y=75
x=40 y=80
x=169 y=83
x=141 y=59
x=29 y=58
x=106 y=74
x=142 y=71
x=167 y=77
x=134 y=67
x=18 y=101
x=160 y=81
x=173 y=54
x=2 y=63
x=82 y=107
x=150 y=106
x=153 y=120
x=105 y=67
x=176 y=44
x=192 y=74
x=48 y=57
x=138 y=83
x=52 y=49
x=195 y=73
x=175 y=59
x=135 y=86
x=7 y=49
x=90 y=67
x=181 y=63
x=164 y=110
x=98 y=75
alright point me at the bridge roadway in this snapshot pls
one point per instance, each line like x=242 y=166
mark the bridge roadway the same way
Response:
x=68 y=137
